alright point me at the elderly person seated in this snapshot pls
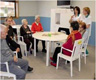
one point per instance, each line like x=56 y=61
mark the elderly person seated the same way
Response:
x=82 y=28
x=74 y=35
x=27 y=34
x=8 y=56
x=37 y=27
x=15 y=47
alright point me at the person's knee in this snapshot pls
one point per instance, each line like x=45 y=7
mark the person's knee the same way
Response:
x=25 y=61
x=22 y=74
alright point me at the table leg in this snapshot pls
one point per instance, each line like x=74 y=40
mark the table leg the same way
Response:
x=47 y=55
x=34 y=47
x=52 y=46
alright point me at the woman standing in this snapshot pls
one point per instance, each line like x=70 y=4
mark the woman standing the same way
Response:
x=87 y=19
x=76 y=16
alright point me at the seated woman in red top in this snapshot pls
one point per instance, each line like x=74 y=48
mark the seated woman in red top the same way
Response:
x=37 y=27
x=74 y=35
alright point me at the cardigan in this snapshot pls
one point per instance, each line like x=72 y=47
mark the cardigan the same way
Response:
x=36 y=28
x=69 y=44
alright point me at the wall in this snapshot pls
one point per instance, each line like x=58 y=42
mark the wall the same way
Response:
x=28 y=9
x=45 y=12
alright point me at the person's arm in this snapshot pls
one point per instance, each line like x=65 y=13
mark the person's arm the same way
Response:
x=33 y=28
x=22 y=32
x=68 y=44
x=5 y=58
x=41 y=27
x=71 y=19
x=13 y=45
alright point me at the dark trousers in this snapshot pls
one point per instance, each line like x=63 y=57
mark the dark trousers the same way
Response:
x=28 y=42
x=57 y=50
x=43 y=44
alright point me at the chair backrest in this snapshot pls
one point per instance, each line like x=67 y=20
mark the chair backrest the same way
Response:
x=66 y=30
x=77 y=48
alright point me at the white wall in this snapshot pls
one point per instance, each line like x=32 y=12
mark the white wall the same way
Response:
x=27 y=8
x=44 y=7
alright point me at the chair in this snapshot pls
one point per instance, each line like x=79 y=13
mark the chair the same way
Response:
x=63 y=30
x=22 y=44
x=75 y=55
x=7 y=74
x=84 y=47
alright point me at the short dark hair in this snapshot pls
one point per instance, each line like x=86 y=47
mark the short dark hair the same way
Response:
x=78 y=9
x=74 y=25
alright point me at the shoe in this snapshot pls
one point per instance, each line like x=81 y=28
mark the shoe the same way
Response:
x=30 y=50
x=36 y=50
x=44 y=50
x=29 y=69
x=51 y=58
x=53 y=64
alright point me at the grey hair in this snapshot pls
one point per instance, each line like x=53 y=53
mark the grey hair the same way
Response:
x=37 y=16
x=23 y=20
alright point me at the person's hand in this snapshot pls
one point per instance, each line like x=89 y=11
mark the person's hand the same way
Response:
x=72 y=16
x=15 y=59
x=42 y=30
x=28 y=32
x=11 y=37
x=18 y=50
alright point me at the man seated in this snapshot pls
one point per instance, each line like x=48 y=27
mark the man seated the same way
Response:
x=37 y=27
x=8 y=56
x=15 y=47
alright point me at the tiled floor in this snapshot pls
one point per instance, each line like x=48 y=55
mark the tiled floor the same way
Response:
x=50 y=72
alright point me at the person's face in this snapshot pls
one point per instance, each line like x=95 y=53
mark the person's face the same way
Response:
x=71 y=29
x=38 y=20
x=75 y=11
x=25 y=22
x=84 y=12
x=4 y=33
x=9 y=21
x=80 y=27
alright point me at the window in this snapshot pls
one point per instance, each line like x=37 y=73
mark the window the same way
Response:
x=8 y=8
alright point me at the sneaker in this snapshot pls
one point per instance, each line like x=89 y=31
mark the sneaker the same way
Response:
x=53 y=64
x=44 y=50
x=51 y=58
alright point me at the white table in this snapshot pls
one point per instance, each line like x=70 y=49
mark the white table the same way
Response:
x=38 y=35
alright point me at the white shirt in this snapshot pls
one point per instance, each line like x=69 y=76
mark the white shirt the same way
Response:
x=88 y=21
x=75 y=18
